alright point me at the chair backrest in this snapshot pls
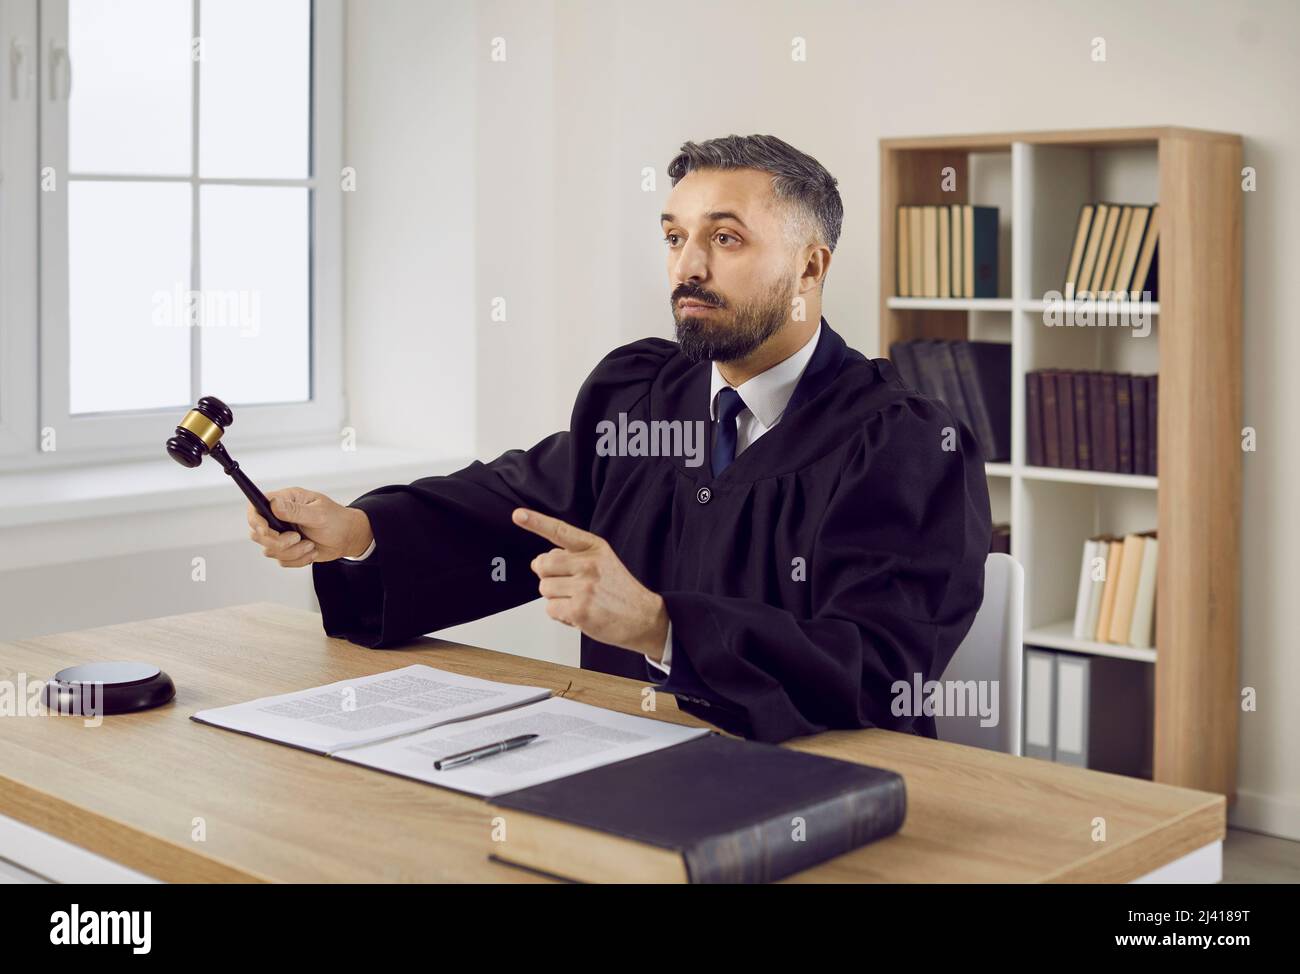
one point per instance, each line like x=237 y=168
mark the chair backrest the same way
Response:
x=990 y=652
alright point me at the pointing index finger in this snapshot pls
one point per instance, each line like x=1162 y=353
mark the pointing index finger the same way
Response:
x=558 y=532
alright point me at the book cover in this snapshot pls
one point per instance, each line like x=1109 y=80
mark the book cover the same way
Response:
x=1138 y=390
x=1034 y=419
x=930 y=251
x=984 y=369
x=903 y=356
x=1124 y=423
x=958 y=273
x=1065 y=412
x=1116 y=251
x=1082 y=421
x=1104 y=435
x=944 y=239
x=713 y=810
x=916 y=261
x=1121 y=619
x=1114 y=565
x=1094 y=244
x=1146 y=273
x=902 y=256
x=980 y=251
x=1076 y=253
x=1051 y=419
x=1153 y=401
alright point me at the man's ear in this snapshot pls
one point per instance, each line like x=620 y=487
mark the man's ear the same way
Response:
x=817 y=262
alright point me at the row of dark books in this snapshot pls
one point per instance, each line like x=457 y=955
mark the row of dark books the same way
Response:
x=948 y=251
x=1091 y=421
x=972 y=378
x=1114 y=253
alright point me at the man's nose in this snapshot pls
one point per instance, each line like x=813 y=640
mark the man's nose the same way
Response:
x=692 y=264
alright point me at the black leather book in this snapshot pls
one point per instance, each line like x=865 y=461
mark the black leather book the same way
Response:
x=1104 y=441
x=1065 y=416
x=1097 y=423
x=1082 y=421
x=1153 y=402
x=904 y=358
x=712 y=810
x=1139 y=392
x=985 y=372
x=1034 y=419
x=1124 y=422
x=1051 y=419
x=950 y=383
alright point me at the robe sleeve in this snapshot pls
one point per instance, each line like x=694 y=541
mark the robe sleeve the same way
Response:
x=897 y=573
x=446 y=551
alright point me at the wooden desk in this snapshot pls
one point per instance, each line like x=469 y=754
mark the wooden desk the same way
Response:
x=132 y=789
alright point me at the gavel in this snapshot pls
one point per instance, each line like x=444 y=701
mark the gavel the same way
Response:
x=199 y=433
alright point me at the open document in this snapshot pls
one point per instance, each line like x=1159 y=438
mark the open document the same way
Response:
x=404 y=720
x=572 y=737
x=372 y=708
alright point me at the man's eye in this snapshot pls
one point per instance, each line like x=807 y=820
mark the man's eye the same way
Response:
x=727 y=236
x=671 y=239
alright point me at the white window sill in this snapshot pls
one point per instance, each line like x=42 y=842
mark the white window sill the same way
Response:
x=98 y=490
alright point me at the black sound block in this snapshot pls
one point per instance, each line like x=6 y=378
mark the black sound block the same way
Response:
x=117 y=687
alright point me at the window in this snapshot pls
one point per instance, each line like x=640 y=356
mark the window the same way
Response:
x=188 y=211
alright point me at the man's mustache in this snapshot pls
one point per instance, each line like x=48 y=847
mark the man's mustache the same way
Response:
x=697 y=294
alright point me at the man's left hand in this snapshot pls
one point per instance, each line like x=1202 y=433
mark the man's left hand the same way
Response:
x=587 y=586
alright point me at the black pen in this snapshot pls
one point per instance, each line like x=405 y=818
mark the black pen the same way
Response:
x=486 y=751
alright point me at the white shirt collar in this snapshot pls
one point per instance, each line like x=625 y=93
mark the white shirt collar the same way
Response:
x=767 y=394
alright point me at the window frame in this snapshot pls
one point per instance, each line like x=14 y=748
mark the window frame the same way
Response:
x=90 y=437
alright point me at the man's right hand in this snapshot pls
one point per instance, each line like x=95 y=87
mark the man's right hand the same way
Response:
x=328 y=529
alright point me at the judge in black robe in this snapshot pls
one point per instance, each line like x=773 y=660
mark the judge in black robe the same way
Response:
x=841 y=552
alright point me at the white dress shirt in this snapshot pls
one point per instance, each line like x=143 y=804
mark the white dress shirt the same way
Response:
x=765 y=397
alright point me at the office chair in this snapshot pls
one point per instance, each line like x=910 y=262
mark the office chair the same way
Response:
x=992 y=651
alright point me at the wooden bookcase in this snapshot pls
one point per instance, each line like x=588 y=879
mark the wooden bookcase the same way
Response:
x=1038 y=181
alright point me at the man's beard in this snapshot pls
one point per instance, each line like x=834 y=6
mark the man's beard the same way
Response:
x=710 y=336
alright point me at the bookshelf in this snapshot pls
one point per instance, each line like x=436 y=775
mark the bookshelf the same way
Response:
x=1038 y=181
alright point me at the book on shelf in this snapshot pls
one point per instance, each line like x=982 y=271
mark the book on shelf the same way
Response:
x=904 y=266
x=972 y=378
x=1000 y=539
x=958 y=252
x=1123 y=423
x=1101 y=421
x=947 y=251
x=929 y=251
x=1114 y=252
x=944 y=241
x=1113 y=559
x=1051 y=420
x=1121 y=619
x=1065 y=417
x=1034 y=420
x=1089 y=711
x=1116 y=597
x=1072 y=272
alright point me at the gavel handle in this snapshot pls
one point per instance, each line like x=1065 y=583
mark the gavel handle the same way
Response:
x=257 y=498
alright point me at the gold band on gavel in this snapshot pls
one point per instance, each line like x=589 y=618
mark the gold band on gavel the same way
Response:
x=202 y=427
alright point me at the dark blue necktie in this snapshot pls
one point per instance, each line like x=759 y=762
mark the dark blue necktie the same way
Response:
x=724 y=446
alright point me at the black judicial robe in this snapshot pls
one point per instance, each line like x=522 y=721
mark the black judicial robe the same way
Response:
x=840 y=552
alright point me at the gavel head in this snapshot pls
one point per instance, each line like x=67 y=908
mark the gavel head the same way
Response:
x=200 y=431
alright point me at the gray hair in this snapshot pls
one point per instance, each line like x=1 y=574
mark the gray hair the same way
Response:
x=796 y=177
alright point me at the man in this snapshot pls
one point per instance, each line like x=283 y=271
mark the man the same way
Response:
x=832 y=543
